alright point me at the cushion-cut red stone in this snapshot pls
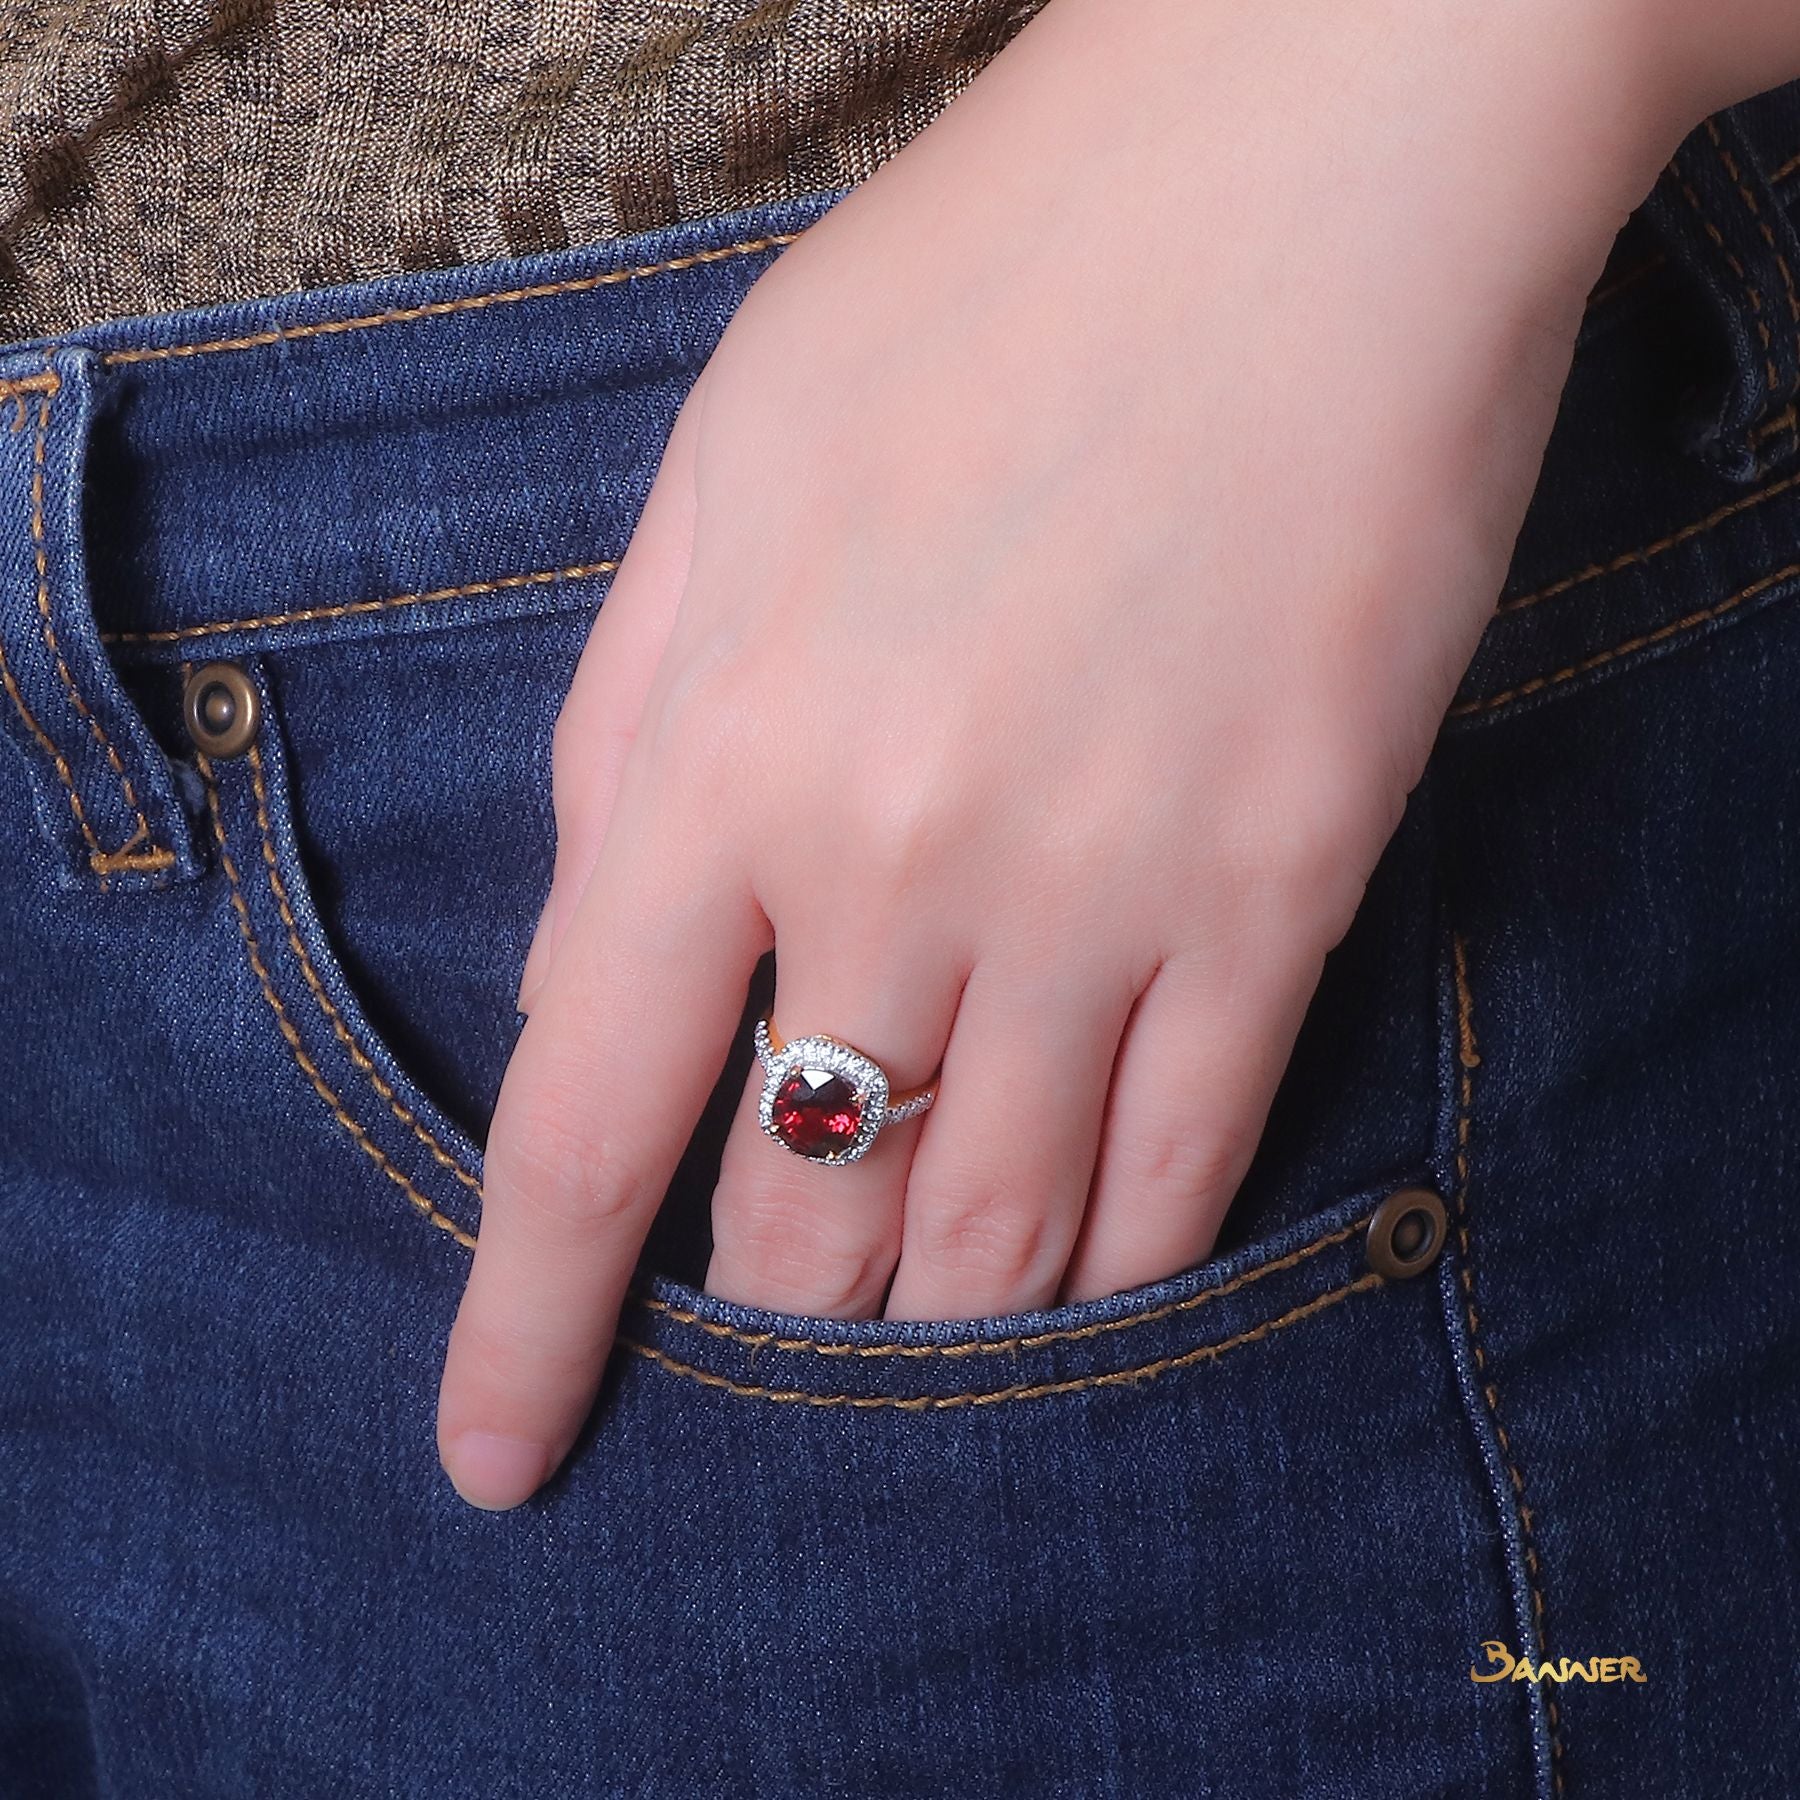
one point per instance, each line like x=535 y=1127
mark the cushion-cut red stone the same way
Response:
x=816 y=1112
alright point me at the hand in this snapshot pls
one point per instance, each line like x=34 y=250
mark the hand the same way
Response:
x=1051 y=591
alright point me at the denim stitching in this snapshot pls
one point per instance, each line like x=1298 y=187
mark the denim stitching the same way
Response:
x=1762 y=224
x=36 y=384
x=946 y=1402
x=291 y=1037
x=1632 y=558
x=767 y=1340
x=1629 y=279
x=1468 y=1060
x=46 y=383
x=1783 y=421
x=1738 y=269
x=1673 y=628
x=500 y=584
x=127 y=856
x=467 y=303
x=1790 y=167
x=357 y=1054
x=96 y=854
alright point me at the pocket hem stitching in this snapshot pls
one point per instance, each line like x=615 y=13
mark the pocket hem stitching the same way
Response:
x=357 y=1054
x=766 y=1340
x=291 y=1037
x=995 y=1396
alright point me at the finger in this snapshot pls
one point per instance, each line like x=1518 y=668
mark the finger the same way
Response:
x=605 y=703
x=1000 y=1179
x=633 y=1023
x=1201 y=1058
x=801 y=1236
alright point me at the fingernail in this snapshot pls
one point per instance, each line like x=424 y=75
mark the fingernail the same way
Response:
x=495 y=1472
x=537 y=958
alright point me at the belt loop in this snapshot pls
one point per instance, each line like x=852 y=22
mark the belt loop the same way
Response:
x=105 y=791
x=1717 y=210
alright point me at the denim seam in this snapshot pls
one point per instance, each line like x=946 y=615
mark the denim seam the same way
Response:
x=357 y=1054
x=767 y=1340
x=1672 y=628
x=1762 y=224
x=312 y=614
x=290 y=1036
x=57 y=760
x=1735 y=263
x=1468 y=1058
x=469 y=302
x=1790 y=167
x=128 y=857
x=36 y=384
x=1019 y=1391
x=1630 y=559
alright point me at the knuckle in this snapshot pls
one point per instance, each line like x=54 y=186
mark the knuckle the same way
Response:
x=579 y=749
x=707 y=719
x=1309 y=845
x=549 y=1160
x=914 y=815
x=513 y=1357
x=982 y=1229
x=778 y=1243
x=1167 y=1163
x=919 y=812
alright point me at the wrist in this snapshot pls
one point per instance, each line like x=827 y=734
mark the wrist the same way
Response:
x=1538 y=124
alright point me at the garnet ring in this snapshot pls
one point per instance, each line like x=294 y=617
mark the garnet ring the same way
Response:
x=824 y=1100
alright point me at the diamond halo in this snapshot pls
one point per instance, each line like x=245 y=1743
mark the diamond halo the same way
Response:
x=831 y=1056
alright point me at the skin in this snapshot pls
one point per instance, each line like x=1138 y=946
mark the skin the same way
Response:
x=1051 y=591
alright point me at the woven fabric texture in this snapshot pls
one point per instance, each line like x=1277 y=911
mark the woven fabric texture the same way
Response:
x=171 y=153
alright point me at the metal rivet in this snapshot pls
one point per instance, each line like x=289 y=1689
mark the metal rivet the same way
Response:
x=1406 y=1232
x=222 y=709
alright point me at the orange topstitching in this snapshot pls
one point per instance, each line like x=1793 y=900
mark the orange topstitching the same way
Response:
x=768 y=1340
x=1468 y=1060
x=291 y=1037
x=128 y=855
x=1018 y=1391
x=467 y=303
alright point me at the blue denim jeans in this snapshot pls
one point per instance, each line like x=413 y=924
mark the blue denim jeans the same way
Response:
x=1244 y=1532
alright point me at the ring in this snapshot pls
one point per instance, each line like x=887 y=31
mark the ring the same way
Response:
x=824 y=1099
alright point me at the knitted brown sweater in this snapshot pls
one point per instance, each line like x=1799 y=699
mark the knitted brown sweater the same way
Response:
x=171 y=153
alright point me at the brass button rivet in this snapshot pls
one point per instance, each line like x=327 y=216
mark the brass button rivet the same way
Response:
x=222 y=709
x=1406 y=1232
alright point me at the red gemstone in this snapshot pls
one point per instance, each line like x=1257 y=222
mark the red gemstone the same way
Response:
x=817 y=1113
